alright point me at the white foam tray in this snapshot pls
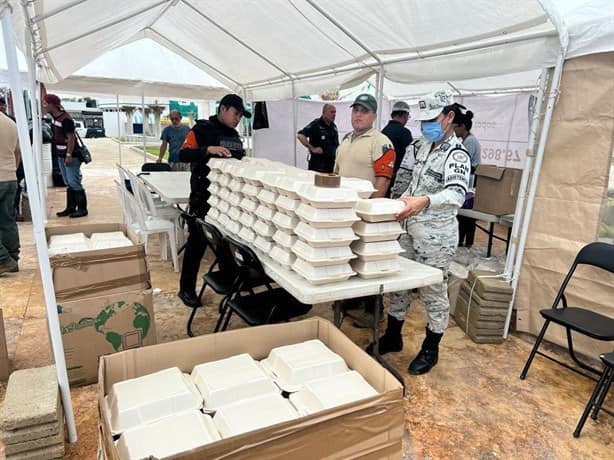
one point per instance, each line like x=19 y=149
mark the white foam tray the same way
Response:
x=233 y=226
x=214 y=188
x=362 y=187
x=378 y=231
x=107 y=236
x=168 y=436
x=319 y=257
x=223 y=220
x=289 y=185
x=250 y=190
x=236 y=184
x=223 y=206
x=285 y=221
x=267 y=197
x=68 y=248
x=264 y=228
x=286 y=204
x=378 y=209
x=228 y=380
x=71 y=238
x=282 y=256
x=248 y=204
x=108 y=244
x=376 y=268
x=247 y=234
x=214 y=176
x=213 y=213
x=213 y=200
x=333 y=391
x=228 y=164
x=378 y=250
x=255 y=174
x=265 y=212
x=294 y=365
x=325 y=237
x=326 y=218
x=235 y=198
x=224 y=180
x=284 y=239
x=322 y=275
x=215 y=164
x=235 y=213
x=144 y=399
x=324 y=197
x=248 y=219
x=253 y=414
x=224 y=193
x=263 y=244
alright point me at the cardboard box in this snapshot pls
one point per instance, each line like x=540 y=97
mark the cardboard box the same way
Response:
x=371 y=428
x=102 y=325
x=497 y=189
x=4 y=354
x=89 y=273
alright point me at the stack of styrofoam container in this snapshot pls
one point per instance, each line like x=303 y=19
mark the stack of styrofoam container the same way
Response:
x=76 y=242
x=216 y=203
x=378 y=249
x=325 y=232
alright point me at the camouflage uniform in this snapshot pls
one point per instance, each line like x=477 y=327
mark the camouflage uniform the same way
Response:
x=432 y=235
x=403 y=177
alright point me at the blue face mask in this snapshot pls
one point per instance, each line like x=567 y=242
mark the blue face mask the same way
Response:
x=431 y=130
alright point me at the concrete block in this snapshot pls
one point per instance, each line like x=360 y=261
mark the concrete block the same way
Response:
x=48 y=441
x=32 y=398
x=31 y=433
x=45 y=453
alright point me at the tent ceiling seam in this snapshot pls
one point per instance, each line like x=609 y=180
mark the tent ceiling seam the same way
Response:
x=61 y=9
x=171 y=3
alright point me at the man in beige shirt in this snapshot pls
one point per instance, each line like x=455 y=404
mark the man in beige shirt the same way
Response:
x=9 y=160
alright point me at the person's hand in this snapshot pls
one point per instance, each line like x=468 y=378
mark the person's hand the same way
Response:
x=317 y=150
x=219 y=151
x=159 y=160
x=413 y=206
x=68 y=160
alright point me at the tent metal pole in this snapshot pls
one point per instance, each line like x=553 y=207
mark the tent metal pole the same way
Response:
x=37 y=220
x=552 y=97
x=55 y=11
x=119 y=130
x=143 y=113
x=380 y=96
x=294 y=122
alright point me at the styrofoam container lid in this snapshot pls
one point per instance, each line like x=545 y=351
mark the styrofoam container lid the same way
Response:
x=144 y=399
x=235 y=198
x=289 y=185
x=100 y=236
x=267 y=197
x=362 y=187
x=214 y=176
x=168 y=436
x=376 y=268
x=227 y=380
x=285 y=221
x=265 y=212
x=326 y=218
x=214 y=188
x=213 y=213
x=293 y=365
x=255 y=174
x=286 y=204
x=264 y=228
x=333 y=391
x=378 y=250
x=322 y=274
x=223 y=220
x=224 y=180
x=264 y=244
x=236 y=184
x=253 y=414
x=235 y=213
x=213 y=200
x=323 y=256
x=223 y=206
x=378 y=231
x=227 y=164
x=247 y=234
x=284 y=239
x=233 y=226
x=250 y=190
x=215 y=164
x=269 y=180
x=247 y=219
x=108 y=244
x=69 y=238
x=238 y=171
x=323 y=197
x=248 y=204
x=224 y=193
x=325 y=237
x=378 y=209
x=282 y=256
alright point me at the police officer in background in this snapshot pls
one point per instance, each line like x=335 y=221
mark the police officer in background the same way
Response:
x=437 y=189
x=321 y=138
x=215 y=137
x=398 y=134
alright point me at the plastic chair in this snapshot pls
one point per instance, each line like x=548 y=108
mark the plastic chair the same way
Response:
x=148 y=167
x=599 y=393
x=123 y=176
x=578 y=319
x=266 y=307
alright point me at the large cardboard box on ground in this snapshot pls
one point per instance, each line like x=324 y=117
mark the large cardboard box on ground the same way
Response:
x=89 y=273
x=368 y=429
x=102 y=325
x=496 y=189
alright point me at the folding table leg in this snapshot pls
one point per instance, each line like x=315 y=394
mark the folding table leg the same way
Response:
x=491 y=232
x=379 y=305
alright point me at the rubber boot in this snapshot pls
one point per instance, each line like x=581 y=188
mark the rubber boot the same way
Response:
x=428 y=355
x=392 y=340
x=70 y=204
x=81 y=200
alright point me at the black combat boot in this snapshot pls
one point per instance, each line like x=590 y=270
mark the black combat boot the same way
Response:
x=392 y=340
x=70 y=204
x=81 y=201
x=428 y=355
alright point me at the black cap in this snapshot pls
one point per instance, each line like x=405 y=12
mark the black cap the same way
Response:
x=234 y=100
x=367 y=101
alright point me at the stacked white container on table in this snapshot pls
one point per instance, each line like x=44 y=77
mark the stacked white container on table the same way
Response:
x=378 y=249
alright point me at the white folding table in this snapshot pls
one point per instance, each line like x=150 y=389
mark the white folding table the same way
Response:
x=492 y=219
x=173 y=187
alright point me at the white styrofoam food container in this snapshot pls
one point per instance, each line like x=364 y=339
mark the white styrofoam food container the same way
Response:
x=236 y=184
x=264 y=228
x=214 y=188
x=265 y=212
x=267 y=197
x=213 y=213
x=324 y=197
x=108 y=244
x=285 y=221
x=293 y=365
x=263 y=244
x=144 y=399
x=378 y=231
x=223 y=220
x=224 y=193
x=71 y=238
x=106 y=236
x=224 y=180
x=247 y=234
x=376 y=268
x=252 y=414
x=228 y=380
x=214 y=176
x=168 y=436
x=378 y=250
x=322 y=274
x=250 y=190
x=68 y=248
x=234 y=213
x=215 y=164
x=333 y=391
x=289 y=185
x=233 y=226
x=326 y=218
x=227 y=164
x=284 y=239
x=248 y=204
x=319 y=257
x=287 y=204
x=378 y=209
x=325 y=237
x=223 y=206
x=362 y=187
x=282 y=256
x=213 y=200
x=247 y=219
x=235 y=198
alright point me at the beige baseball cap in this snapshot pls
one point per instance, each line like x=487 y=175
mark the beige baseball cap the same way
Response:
x=432 y=104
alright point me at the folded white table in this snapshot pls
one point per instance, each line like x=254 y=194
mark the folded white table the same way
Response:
x=173 y=187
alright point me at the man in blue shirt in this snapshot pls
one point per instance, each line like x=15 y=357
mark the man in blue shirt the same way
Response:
x=321 y=138
x=400 y=136
x=173 y=137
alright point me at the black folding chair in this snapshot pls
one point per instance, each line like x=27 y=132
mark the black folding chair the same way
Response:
x=273 y=305
x=153 y=167
x=578 y=319
x=601 y=391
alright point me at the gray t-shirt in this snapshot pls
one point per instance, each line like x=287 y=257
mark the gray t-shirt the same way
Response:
x=174 y=137
x=474 y=149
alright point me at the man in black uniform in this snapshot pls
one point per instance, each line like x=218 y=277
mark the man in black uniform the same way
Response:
x=215 y=137
x=400 y=136
x=321 y=138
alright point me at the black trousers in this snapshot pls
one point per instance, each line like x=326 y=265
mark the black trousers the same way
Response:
x=194 y=252
x=321 y=163
x=466 y=230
